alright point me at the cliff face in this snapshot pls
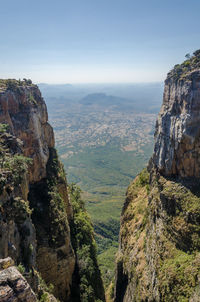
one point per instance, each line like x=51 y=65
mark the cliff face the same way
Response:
x=24 y=110
x=177 y=137
x=159 y=253
x=35 y=210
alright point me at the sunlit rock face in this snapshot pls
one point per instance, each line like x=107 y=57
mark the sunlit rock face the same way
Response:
x=24 y=110
x=26 y=113
x=159 y=242
x=39 y=228
x=177 y=136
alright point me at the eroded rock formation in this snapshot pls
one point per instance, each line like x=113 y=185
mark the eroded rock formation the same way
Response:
x=159 y=252
x=13 y=286
x=24 y=110
x=35 y=210
x=177 y=137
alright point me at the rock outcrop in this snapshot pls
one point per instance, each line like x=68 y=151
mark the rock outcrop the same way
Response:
x=35 y=210
x=13 y=286
x=159 y=252
x=24 y=110
x=177 y=137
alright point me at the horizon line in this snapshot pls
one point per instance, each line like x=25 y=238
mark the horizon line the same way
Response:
x=97 y=83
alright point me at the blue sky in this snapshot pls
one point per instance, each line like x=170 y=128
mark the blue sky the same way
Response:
x=96 y=40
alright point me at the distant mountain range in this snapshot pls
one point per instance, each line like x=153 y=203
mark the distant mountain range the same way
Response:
x=138 y=97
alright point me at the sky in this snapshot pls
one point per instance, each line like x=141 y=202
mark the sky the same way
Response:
x=96 y=41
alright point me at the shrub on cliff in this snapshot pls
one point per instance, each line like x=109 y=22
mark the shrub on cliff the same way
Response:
x=90 y=283
x=197 y=53
x=181 y=70
x=13 y=167
x=14 y=85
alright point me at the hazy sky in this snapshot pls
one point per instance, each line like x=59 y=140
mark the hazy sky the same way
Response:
x=65 y=41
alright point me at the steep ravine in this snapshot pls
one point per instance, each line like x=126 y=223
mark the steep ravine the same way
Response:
x=159 y=252
x=40 y=228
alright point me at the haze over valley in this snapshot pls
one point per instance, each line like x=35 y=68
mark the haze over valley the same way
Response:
x=100 y=151
x=104 y=136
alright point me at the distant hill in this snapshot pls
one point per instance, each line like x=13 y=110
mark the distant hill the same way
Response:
x=103 y=99
x=144 y=97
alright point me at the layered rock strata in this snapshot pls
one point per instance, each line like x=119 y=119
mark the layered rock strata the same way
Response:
x=24 y=110
x=177 y=136
x=35 y=210
x=159 y=252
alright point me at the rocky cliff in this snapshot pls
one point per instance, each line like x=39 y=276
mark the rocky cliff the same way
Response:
x=159 y=253
x=13 y=286
x=36 y=215
x=177 y=137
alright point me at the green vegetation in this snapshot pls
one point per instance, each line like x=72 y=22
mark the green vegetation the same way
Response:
x=21 y=268
x=178 y=276
x=131 y=261
x=32 y=99
x=103 y=173
x=14 y=85
x=13 y=206
x=54 y=227
x=180 y=244
x=44 y=297
x=143 y=178
x=106 y=261
x=17 y=86
x=170 y=209
x=45 y=291
x=181 y=70
x=3 y=128
x=105 y=166
x=136 y=211
x=17 y=209
x=103 y=146
x=12 y=167
x=82 y=234
x=54 y=207
x=57 y=208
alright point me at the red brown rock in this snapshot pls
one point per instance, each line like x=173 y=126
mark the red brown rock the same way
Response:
x=26 y=113
x=24 y=110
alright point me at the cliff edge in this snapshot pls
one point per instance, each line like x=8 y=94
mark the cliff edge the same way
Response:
x=177 y=137
x=37 y=219
x=159 y=252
